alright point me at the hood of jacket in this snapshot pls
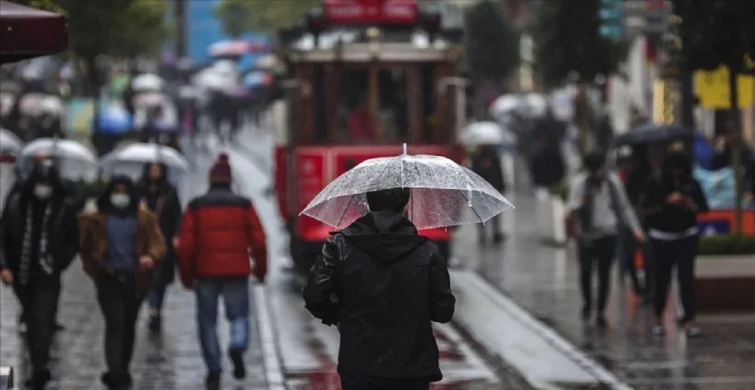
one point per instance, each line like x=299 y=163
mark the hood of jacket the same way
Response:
x=103 y=201
x=384 y=236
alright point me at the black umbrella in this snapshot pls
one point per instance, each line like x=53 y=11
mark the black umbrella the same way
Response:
x=653 y=134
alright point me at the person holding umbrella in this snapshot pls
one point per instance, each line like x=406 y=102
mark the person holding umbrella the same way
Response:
x=159 y=196
x=378 y=276
x=672 y=203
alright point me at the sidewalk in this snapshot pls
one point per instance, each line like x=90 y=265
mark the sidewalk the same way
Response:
x=161 y=362
x=544 y=280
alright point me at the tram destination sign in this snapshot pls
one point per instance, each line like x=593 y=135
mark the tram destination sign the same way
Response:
x=371 y=11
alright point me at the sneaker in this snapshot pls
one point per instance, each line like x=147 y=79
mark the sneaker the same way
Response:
x=155 y=323
x=693 y=331
x=237 y=358
x=658 y=331
x=213 y=381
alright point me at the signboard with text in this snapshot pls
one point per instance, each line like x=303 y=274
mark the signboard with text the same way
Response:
x=371 y=11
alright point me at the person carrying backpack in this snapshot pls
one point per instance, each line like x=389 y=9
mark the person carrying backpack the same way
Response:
x=598 y=207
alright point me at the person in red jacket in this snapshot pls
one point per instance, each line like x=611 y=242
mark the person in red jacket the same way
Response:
x=219 y=232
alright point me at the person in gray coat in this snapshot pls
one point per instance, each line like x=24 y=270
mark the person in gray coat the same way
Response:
x=599 y=204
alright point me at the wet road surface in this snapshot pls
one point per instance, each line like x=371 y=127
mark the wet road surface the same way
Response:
x=544 y=280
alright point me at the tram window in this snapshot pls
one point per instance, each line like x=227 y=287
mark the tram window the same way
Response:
x=429 y=120
x=393 y=105
x=321 y=120
x=354 y=124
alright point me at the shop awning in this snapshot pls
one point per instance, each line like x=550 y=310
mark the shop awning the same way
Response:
x=27 y=32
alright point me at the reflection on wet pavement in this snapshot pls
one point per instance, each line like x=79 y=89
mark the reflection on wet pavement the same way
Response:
x=544 y=280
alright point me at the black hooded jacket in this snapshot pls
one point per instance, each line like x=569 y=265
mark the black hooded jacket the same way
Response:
x=664 y=217
x=383 y=284
x=62 y=232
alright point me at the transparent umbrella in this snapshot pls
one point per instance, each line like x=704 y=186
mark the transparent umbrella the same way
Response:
x=74 y=160
x=488 y=133
x=130 y=159
x=9 y=143
x=443 y=193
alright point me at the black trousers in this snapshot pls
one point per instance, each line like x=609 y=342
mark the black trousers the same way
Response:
x=39 y=302
x=353 y=381
x=681 y=253
x=117 y=299
x=600 y=251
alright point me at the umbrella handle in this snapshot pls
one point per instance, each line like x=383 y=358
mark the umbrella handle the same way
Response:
x=405 y=149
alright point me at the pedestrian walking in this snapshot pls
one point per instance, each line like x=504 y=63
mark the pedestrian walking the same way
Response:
x=382 y=284
x=218 y=232
x=38 y=241
x=159 y=196
x=598 y=207
x=120 y=245
x=672 y=204
x=487 y=164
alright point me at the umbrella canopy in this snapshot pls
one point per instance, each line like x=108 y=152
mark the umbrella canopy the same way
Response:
x=212 y=80
x=443 y=193
x=52 y=105
x=504 y=105
x=487 y=133
x=143 y=153
x=147 y=82
x=75 y=160
x=9 y=143
x=32 y=103
x=150 y=99
x=129 y=160
x=29 y=32
x=7 y=100
x=114 y=121
x=236 y=48
x=653 y=134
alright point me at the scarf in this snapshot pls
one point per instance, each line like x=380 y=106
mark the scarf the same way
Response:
x=45 y=258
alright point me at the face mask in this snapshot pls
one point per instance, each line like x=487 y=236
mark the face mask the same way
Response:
x=120 y=201
x=42 y=191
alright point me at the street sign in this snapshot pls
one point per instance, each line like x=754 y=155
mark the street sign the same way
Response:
x=645 y=16
x=611 y=17
x=713 y=89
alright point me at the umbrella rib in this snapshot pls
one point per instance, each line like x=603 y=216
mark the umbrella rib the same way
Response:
x=338 y=223
x=470 y=203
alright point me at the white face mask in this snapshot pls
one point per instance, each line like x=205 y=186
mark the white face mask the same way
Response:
x=120 y=201
x=42 y=191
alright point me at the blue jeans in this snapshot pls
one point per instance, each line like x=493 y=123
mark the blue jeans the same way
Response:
x=235 y=292
x=156 y=297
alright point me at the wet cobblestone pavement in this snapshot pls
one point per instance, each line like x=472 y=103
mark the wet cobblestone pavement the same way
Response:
x=544 y=280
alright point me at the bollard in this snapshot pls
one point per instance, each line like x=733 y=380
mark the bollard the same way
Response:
x=6 y=378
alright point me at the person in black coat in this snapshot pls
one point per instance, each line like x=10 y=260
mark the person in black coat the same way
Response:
x=382 y=285
x=671 y=205
x=487 y=164
x=39 y=238
x=547 y=163
x=159 y=196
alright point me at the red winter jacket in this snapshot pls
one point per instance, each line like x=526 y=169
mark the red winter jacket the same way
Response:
x=218 y=233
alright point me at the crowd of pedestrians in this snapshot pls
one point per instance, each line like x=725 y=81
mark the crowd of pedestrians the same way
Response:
x=130 y=246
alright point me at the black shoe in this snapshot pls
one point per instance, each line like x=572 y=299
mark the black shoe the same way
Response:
x=498 y=238
x=213 y=381
x=237 y=358
x=38 y=380
x=155 y=323
x=116 y=380
x=586 y=314
x=601 y=322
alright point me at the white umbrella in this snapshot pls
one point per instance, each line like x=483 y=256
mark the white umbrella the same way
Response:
x=147 y=82
x=535 y=105
x=52 y=105
x=74 y=159
x=487 y=133
x=150 y=99
x=212 y=80
x=9 y=143
x=31 y=103
x=143 y=153
x=504 y=105
x=443 y=193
